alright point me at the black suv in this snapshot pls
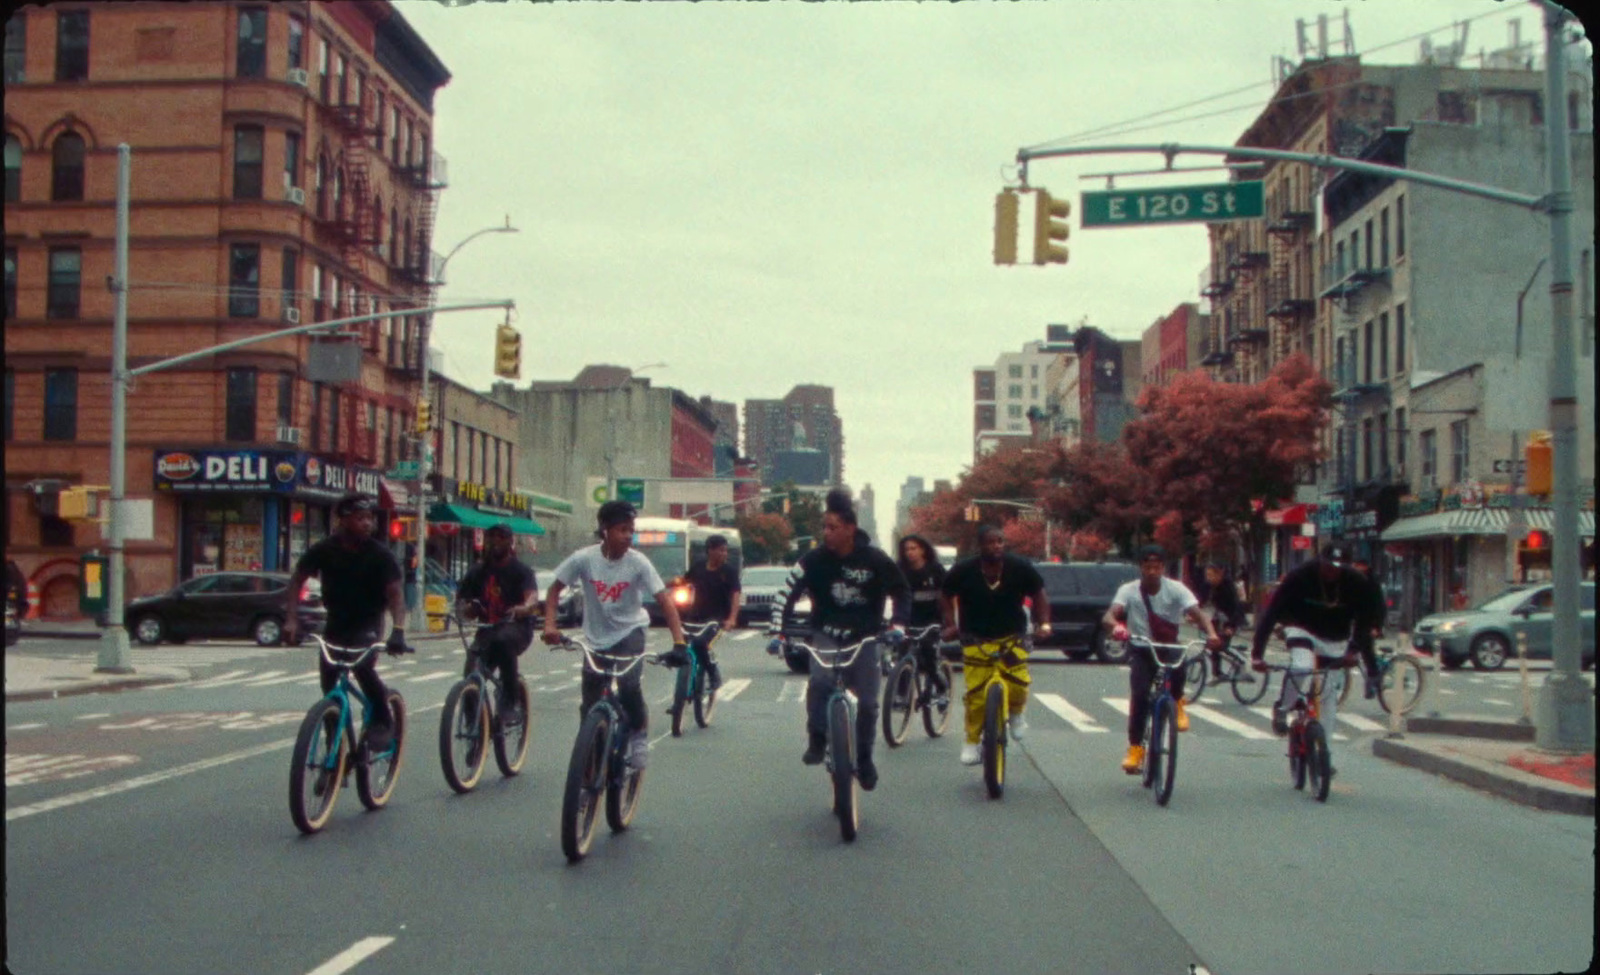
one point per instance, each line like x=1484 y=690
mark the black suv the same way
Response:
x=1080 y=593
x=224 y=605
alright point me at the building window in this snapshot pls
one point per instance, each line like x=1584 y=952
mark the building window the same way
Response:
x=1014 y=411
x=372 y=429
x=72 y=45
x=16 y=48
x=66 y=282
x=1383 y=445
x=1428 y=448
x=61 y=404
x=333 y=418
x=1399 y=338
x=1400 y=436
x=1383 y=240
x=340 y=78
x=297 y=42
x=13 y=165
x=322 y=70
x=291 y=279
x=497 y=450
x=1400 y=226
x=291 y=159
x=240 y=423
x=322 y=187
x=1366 y=448
x=11 y=283
x=1366 y=357
x=1014 y=372
x=394 y=134
x=388 y=436
x=377 y=118
x=252 y=53
x=394 y=236
x=285 y=399
x=247 y=154
x=472 y=446
x=1369 y=244
x=1383 y=346
x=1338 y=264
x=244 y=281
x=66 y=167
x=409 y=143
x=1460 y=452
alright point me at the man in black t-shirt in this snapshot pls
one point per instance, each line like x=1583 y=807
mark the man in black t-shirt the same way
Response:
x=715 y=583
x=985 y=596
x=360 y=579
x=500 y=590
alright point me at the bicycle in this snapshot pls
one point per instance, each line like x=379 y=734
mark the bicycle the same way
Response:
x=693 y=685
x=327 y=746
x=1160 y=767
x=1308 y=740
x=996 y=708
x=472 y=716
x=1233 y=668
x=840 y=757
x=910 y=688
x=1400 y=680
x=599 y=761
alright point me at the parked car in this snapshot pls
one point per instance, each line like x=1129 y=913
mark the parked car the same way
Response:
x=1487 y=633
x=223 y=605
x=761 y=586
x=569 y=608
x=1080 y=593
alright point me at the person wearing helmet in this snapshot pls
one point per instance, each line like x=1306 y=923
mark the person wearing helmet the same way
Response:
x=504 y=591
x=616 y=579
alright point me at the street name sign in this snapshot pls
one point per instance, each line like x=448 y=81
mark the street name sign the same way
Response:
x=405 y=470
x=1173 y=204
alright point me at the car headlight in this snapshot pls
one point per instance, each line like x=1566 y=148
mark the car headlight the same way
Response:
x=682 y=595
x=1449 y=626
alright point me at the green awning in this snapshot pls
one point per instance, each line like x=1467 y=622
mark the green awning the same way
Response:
x=473 y=518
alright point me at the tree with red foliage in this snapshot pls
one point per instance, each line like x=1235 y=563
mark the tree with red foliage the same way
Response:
x=765 y=537
x=1007 y=474
x=1098 y=489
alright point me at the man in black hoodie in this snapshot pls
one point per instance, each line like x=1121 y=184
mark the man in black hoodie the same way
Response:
x=848 y=580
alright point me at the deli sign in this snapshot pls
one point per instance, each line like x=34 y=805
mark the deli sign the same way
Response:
x=225 y=471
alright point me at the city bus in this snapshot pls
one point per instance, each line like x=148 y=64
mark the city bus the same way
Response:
x=672 y=545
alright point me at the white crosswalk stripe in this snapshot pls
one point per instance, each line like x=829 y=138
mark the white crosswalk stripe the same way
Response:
x=227 y=678
x=1080 y=720
x=1226 y=723
x=1361 y=722
x=277 y=680
x=434 y=675
x=732 y=688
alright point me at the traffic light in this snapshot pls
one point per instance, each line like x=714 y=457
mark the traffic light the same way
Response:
x=1006 y=208
x=1050 y=225
x=1537 y=540
x=507 y=353
x=1538 y=455
x=972 y=512
x=424 y=416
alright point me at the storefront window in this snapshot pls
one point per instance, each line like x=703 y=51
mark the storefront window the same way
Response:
x=222 y=535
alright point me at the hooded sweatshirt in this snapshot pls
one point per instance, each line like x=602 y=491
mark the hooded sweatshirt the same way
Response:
x=925 y=584
x=848 y=593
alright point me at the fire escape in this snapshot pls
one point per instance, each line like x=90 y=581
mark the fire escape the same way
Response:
x=1288 y=221
x=417 y=269
x=1246 y=332
x=1216 y=285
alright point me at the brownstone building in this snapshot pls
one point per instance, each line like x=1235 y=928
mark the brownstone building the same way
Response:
x=282 y=173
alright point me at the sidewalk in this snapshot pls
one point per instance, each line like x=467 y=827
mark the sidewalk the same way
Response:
x=1496 y=756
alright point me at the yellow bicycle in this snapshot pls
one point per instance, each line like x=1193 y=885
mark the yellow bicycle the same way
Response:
x=996 y=696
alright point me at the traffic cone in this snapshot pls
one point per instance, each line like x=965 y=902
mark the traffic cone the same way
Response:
x=33 y=601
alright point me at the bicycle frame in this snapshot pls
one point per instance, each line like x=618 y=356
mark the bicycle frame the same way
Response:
x=343 y=689
x=611 y=666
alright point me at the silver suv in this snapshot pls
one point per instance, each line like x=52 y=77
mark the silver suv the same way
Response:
x=1487 y=633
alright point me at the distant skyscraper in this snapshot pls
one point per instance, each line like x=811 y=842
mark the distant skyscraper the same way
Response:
x=773 y=425
x=866 y=513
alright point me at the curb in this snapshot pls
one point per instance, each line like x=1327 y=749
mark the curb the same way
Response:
x=1472 y=728
x=109 y=686
x=1508 y=783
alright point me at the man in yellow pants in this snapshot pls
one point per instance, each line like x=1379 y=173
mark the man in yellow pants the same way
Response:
x=982 y=601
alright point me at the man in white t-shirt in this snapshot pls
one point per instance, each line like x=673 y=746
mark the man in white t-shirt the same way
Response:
x=1152 y=606
x=615 y=579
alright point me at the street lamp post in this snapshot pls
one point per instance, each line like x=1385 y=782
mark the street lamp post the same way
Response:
x=419 y=613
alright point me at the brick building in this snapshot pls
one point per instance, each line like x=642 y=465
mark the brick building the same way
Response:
x=282 y=172
x=804 y=418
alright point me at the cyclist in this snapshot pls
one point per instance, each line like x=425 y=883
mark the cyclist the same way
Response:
x=616 y=580
x=715 y=583
x=1329 y=611
x=985 y=595
x=360 y=579
x=925 y=576
x=508 y=591
x=1152 y=606
x=848 y=580
x=1219 y=599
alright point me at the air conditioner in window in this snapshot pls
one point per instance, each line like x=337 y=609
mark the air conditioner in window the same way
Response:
x=291 y=314
x=295 y=195
x=299 y=76
x=289 y=435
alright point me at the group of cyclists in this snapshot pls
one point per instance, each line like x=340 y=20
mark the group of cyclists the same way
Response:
x=1329 y=613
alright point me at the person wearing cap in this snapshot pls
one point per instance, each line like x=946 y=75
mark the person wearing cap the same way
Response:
x=616 y=579
x=360 y=579
x=1152 y=607
x=1329 y=613
x=504 y=591
x=983 y=597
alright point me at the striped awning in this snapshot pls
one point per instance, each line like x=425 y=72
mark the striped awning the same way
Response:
x=1477 y=521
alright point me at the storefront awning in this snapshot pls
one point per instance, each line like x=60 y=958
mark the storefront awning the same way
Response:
x=1476 y=521
x=1295 y=514
x=473 y=518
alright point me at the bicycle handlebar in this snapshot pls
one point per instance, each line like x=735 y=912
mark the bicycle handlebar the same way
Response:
x=328 y=649
x=605 y=662
x=1186 y=651
x=836 y=656
x=696 y=630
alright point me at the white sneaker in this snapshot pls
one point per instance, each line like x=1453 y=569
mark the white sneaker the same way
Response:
x=970 y=755
x=1019 y=726
x=639 y=751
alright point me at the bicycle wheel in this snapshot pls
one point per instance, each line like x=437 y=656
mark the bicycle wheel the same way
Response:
x=622 y=792
x=899 y=700
x=463 y=729
x=1317 y=762
x=993 y=745
x=680 y=696
x=1194 y=678
x=586 y=779
x=316 y=767
x=1228 y=666
x=511 y=744
x=1166 y=755
x=1249 y=686
x=1152 y=744
x=1402 y=684
x=1297 y=756
x=376 y=776
x=842 y=767
x=705 y=699
x=936 y=716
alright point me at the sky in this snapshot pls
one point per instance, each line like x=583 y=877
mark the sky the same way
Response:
x=768 y=194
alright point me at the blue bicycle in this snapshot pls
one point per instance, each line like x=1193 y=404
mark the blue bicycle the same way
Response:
x=693 y=685
x=599 y=761
x=328 y=746
x=1161 y=727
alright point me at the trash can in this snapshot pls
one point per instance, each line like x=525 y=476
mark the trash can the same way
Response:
x=94 y=588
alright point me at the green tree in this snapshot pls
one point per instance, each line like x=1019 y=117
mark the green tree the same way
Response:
x=766 y=537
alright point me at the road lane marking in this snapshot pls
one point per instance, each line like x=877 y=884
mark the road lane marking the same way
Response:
x=93 y=717
x=219 y=679
x=1080 y=720
x=28 y=769
x=1223 y=721
x=1492 y=700
x=1362 y=723
x=793 y=690
x=1118 y=704
x=351 y=956
x=281 y=680
x=24 y=727
x=242 y=680
x=435 y=675
x=731 y=689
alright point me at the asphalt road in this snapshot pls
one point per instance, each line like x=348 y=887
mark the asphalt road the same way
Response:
x=148 y=831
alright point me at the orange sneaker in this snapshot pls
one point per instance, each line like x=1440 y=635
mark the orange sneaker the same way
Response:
x=1183 y=716
x=1134 y=760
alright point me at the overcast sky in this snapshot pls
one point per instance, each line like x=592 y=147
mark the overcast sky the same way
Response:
x=764 y=194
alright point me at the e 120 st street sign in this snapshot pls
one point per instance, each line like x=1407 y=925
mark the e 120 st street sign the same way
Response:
x=1173 y=204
